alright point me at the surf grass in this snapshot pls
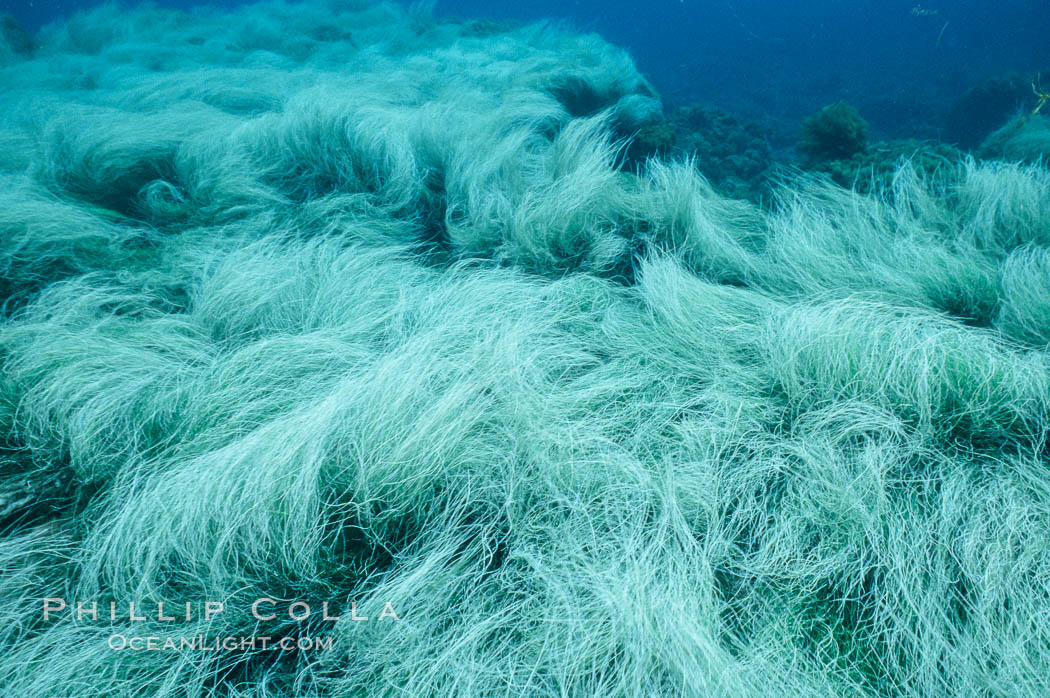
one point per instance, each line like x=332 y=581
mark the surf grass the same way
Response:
x=341 y=303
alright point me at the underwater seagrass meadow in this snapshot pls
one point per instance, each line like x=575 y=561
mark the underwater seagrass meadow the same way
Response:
x=344 y=302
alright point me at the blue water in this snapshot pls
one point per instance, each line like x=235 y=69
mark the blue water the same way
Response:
x=778 y=61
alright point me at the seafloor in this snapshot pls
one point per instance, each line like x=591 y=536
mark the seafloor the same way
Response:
x=341 y=303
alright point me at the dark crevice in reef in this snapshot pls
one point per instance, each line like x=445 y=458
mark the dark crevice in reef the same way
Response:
x=625 y=272
x=34 y=495
x=33 y=498
x=435 y=243
x=579 y=97
x=122 y=194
